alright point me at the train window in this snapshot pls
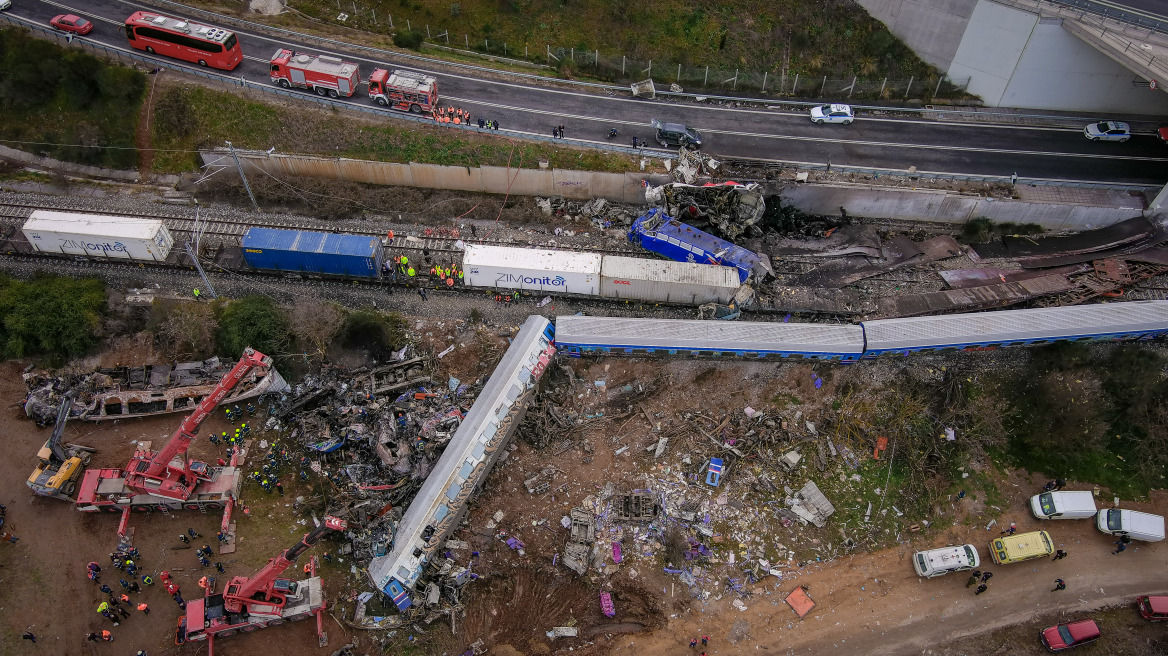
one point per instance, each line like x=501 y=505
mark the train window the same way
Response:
x=796 y=356
x=453 y=490
x=441 y=513
x=695 y=353
x=629 y=350
x=750 y=354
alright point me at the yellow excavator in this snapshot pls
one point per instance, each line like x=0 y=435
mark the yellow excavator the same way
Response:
x=60 y=466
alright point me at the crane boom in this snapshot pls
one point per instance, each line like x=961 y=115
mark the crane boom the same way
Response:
x=59 y=428
x=264 y=581
x=181 y=439
x=152 y=473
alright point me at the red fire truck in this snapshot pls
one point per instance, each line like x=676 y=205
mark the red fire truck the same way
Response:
x=181 y=39
x=404 y=90
x=327 y=76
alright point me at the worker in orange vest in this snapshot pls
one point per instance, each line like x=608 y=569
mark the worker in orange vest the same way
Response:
x=203 y=583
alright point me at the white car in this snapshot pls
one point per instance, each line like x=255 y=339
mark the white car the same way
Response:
x=5 y=4
x=1107 y=131
x=832 y=114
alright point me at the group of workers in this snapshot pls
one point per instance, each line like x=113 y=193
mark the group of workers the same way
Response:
x=455 y=115
x=114 y=606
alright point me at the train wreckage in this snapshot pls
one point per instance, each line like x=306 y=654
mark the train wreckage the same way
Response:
x=128 y=392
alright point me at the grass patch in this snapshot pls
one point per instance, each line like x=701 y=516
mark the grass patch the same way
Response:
x=753 y=35
x=1091 y=414
x=189 y=117
x=67 y=104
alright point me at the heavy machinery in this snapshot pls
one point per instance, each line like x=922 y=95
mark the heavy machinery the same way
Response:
x=60 y=465
x=263 y=600
x=166 y=480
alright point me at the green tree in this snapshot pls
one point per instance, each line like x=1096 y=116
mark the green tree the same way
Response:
x=50 y=315
x=121 y=85
x=254 y=321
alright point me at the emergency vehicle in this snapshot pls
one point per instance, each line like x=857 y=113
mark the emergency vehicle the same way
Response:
x=404 y=90
x=327 y=76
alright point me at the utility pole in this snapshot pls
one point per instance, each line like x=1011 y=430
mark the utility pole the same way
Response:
x=243 y=177
x=193 y=252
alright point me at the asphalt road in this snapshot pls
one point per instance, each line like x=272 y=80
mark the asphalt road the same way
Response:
x=1050 y=153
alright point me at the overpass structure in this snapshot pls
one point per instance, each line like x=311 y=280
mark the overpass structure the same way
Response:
x=1088 y=56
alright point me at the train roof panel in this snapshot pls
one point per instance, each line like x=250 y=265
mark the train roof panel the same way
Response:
x=533 y=259
x=307 y=241
x=641 y=268
x=510 y=377
x=98 y=225
x=619 y=332
x=1015 y=325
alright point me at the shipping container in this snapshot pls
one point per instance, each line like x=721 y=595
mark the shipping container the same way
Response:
x=527 y=268
x=662 y=281
x=658 y=232
x=302 y=251
x=95 y=235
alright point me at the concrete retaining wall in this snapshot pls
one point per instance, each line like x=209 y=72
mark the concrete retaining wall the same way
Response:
x=68 y=168
x=925 y=205
x=872 y=202
x=577 y=185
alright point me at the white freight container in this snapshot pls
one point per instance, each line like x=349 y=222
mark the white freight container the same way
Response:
x=115 y=237
x=664 y=281
x=527 y=268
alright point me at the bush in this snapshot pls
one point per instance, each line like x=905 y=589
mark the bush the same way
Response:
x=50 y=315
x=254 y=321
x=172 y=114
x=411 y=39
x=377 y=333
x=185 y=330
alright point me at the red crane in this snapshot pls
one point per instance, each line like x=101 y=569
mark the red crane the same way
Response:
x=155 y=472
x=266 y=587
x=262 y=600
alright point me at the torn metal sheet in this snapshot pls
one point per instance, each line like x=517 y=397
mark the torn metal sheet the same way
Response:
x=986 y=296
x=1090 y=241
x=966 y=278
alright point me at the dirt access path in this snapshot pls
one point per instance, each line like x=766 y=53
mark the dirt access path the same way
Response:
x=875 y=604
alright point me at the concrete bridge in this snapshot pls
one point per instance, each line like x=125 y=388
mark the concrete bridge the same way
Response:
x=1094 y=57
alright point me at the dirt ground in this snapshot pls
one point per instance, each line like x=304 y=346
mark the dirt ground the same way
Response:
x=869 y=603
x=43 y=587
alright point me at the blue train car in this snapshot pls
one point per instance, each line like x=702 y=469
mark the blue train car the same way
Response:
x=658 y=232
x=302 y=251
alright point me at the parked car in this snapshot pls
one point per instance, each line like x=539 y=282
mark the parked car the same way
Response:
x=71 y=23
x=832 y=114
x=1108 y=131
x=5 y=4
x=676 y=134
x=1162 y=133
x=1153 y=608
x=1070 y=634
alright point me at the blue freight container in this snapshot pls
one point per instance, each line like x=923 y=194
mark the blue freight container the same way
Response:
x=658 y=232
x=302 y=251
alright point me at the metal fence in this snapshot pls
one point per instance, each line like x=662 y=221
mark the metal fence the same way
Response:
x=1115 y=12
x=131 y=58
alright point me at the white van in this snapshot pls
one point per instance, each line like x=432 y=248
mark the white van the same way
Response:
x=938 y=562
x=1063 y=505
x=1136 y=525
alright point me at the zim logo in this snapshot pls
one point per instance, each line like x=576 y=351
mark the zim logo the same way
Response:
x=546 y=281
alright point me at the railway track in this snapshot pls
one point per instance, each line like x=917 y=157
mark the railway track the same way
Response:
x=218 y=231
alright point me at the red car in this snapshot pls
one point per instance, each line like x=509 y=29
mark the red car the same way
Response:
x=71 y=23
x=1153 y=608
x=1070 y=634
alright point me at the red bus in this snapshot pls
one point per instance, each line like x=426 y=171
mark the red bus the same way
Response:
x=174 y=37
